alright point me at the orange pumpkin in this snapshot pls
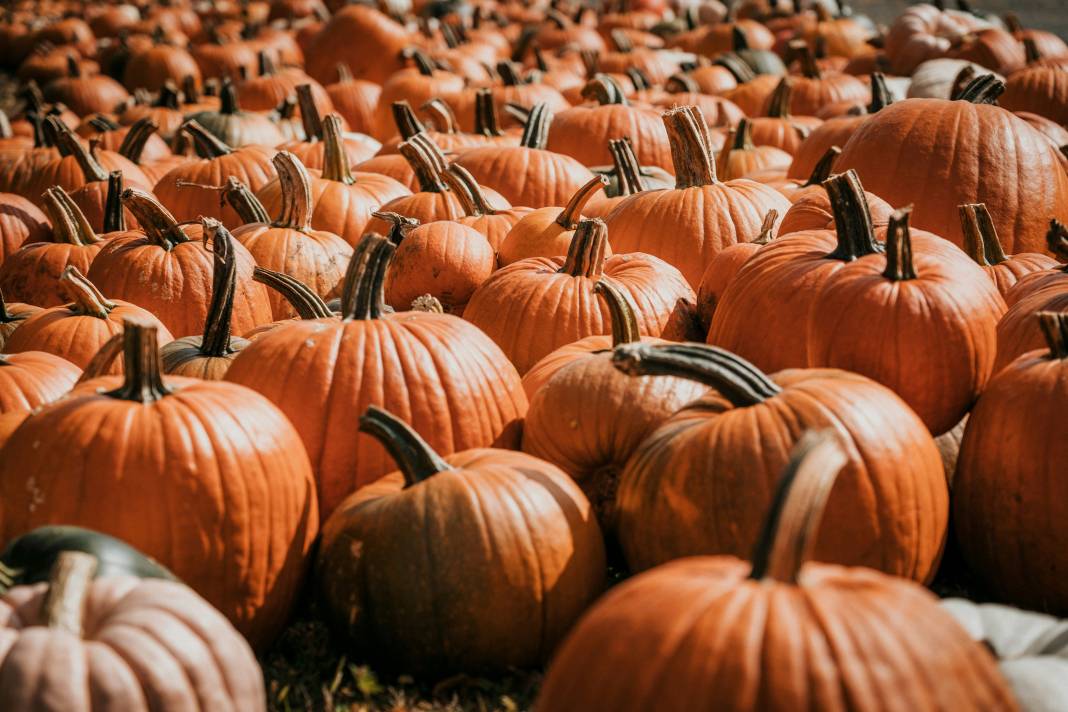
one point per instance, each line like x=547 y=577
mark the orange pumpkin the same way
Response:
x=777 y=126
x=1040 y=90
x=725 y=266
x=493 y=223
x=12 y=316
x=982 y=244
x=33 y=378
x=354 y=99
x=742 y=158
x=416 y=85
x=547 y=232
x=235 y=126
x=309 y=145
x=85 y=94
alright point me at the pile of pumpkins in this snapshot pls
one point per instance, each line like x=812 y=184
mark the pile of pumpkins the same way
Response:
x=437 y=308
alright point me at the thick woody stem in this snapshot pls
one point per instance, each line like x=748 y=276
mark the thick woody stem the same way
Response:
x=624 y=317
x=572 y=212
x=300 y=296
x=363 y=290
x=415 y=458
x=586 y=253
x=68 y=587
x=143 y=382
x=159 y=225
x=295 y=212
x=691 y=147
x=899 y=266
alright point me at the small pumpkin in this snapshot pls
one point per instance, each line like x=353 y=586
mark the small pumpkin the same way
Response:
x=725 y=266
x=20 y=222
x=493 y=223
x=85 y=94
x=12 y=315
x=33 y=378
x=777 y=126
x=548 y=232
x=235 y=127
x=742 y=158
x=354 y=99
x=982 y=244
x=416 y=85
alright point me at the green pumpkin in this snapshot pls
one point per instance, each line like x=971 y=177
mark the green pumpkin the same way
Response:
x=29 y=558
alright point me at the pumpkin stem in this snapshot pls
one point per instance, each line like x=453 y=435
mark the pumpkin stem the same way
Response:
x=880 y=93
x=159 y=225
x=1055 y=328
x=6 y=317
x=984 y=89
x=427 y=161
x=309 y=114
x=69 y=223
x=625 y=328
x=295 y=184
x=414 y=456
x=114 y=215
x=626 y=167
x=335 y=159
x=68 y=586
x=822 y=170
x=981 y=240
x=141 y=363
x=423 y=63
x=69 y=145
x=604 y=90
x=408 y=124
x=486 y=120
x=767 y=228
x=239 y=197
x=572 y=212
x=737 y=380
x=102 y=124
x=680 y=83
x=510 y=74
x=87 y=299
x=467 y=191
x=427 y=303
x=789 y=532
x=586 y=253
x=5 y=125
x=400 y=225
x=809 y=68
x=1057 y=241
x=441 y=113
x=536 y=131
x=852 y=217
x=266 y=63
x=779 y=101
x=1032 y=53
x=691 y=147
x=899 y=266
x=344 y=73
x=101 y=361
x=743 y=136
x=207 y=145
x=363 y=290
x=168 y=97
x=638 y=78
x=133 y=143
x=228 y=104
x=300 y=296
x=216 y=339
x=737 y=66
x=739 y=42
x=190 y=92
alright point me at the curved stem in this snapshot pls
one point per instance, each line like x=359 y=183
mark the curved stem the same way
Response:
x=586 y=253
x=899 y=266
x=467 y=191
x=639 y=79
x=422 y=62
x=87 y=299
x=247 y=206
x=103 y=124
x=425 y=165
x=206 y=143
x=852 y=217
x=427 y=303
x=691 y=147
x=779 y=102
x=572 y=212
x=992 y=248
x=625 y=162
x=69 y=223
x=486 y=120
x=101 y=361
x=736 y=65
x=880 y=93
x=809 y=68
x=295 y=184
x=415 y=458
x=309 y=114
x=133 y=143
x=984 y=89
x=217 y=325
x=789 y=532
x=69 y=145
x=510 y=75
x=444 y=119
x=159 y=225
x=114 y=215
x=822 y=170
x=400 y=225
x=7 y=317
x=142 y=382
x=737 y=380
x=68 y=586
x=536 y=130
x=335 y=158
x=767 y=228
x=604 y=90
x=363 y=290
x=625 y=328
x=680 y=83
x=408 y=124
x=300 y=296
x=1055 y=329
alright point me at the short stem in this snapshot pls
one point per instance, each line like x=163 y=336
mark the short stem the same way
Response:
x=309 y=114
x=87 y=299
x=779 y=102
x=216 y=341
x=68 y=586
x=444 y=119
x=737 y=380
x=736 y=65
x=400 y=225
x=133 y=143
x=536 y=131
x=486 y=121
x=899 y=266
x=572 y=212
x=809 y=68
x=1055 y=328
x=102 y=360
x=247 y=206
x=739 y=41
x=789 y=532
x=822 y=170
x=691 y=147
x=984 y=89
x=295 y=184
x=510 y=75
x=228 y=98
x=1031 y=51
x=994 y=252
x=168 y=97
x=467 y=191
x=141 y=363
x=190 y=93
x=69 y=223
x=344 y=73
x=767 y=228
x=266 y=63
x=625 y=328
x=408 y=124
x=206 y=143
x=415 y=458
x=627 y=169
x=682 y=83
x=427 y=303
x=363 y=290
x=586 y=253
x=604 y=90
x=5 y=125
x=300 y=296
x=159 y=225
x=743 y=136
x=1057 y=241
x=852 y=217
x=422 y=61
x=621 y=40
x=425 y=165
x=880 y=93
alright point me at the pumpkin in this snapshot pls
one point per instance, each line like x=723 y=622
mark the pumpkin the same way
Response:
x=939 y=78
x=208 y=356
x=104 y=656
x=924 y=32
x=374 y=57
x=525 y=550
x=85 y=94
x=470 y=394
x=77 y=330
x=444 y=259
x=983 y=245
x=416 y=85
x=1040 y=90
x=1029 y=648
x=1001 y=500
x=354 y=99
x=993 y=48
x=517 y=92
x=310 y=147
x=186 y=453
x=20 y=222
x=151 y=68
x=776 y=126
x=812 y=209
x=527 y=174
x=685 y=91
x=33 y=378
x=582 y=132
x=686 y=226
x=188 y=190
x=271 y=86
x=492 y=223
x=133 y=148
x=342 y=199
x=921 y=152
x=290 y=245
x=771 y=634
x=741 y=158
x=539 y=304
x=220 y=56
x=725 y=266
x=12 y=315
x=812 y=91
x=1041 y=42
x=547 y=232
x=235 y=127
x=586 y=417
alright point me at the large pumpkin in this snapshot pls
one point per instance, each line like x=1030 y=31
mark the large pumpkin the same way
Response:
x=206 y=457
x=505 y=547
x=699 y=483
x=33 y=378
x=777 y=634
x=441 y=373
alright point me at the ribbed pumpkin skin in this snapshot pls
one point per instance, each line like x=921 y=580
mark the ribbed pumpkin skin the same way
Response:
x=811 y=210
x=31 y=274
x=811 y=95
x=20 y=221
x=148 y=645
x=211 y=458
x=447 y=260
x=720 y=272
x=582 y=132
x=696 y=635
x=686 y=228
x=833 y=132
x=18 y=313
x=1010 y=483
x=1018 y=332
x=251 y=165
x=938 y=154
x=1039 y=90
x=528 y=177
x=1005 y=275
x=435 y=371
x=529 y=308
x=67 y=173
x=702 y=482
x=33 y=378
x=510 y=535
